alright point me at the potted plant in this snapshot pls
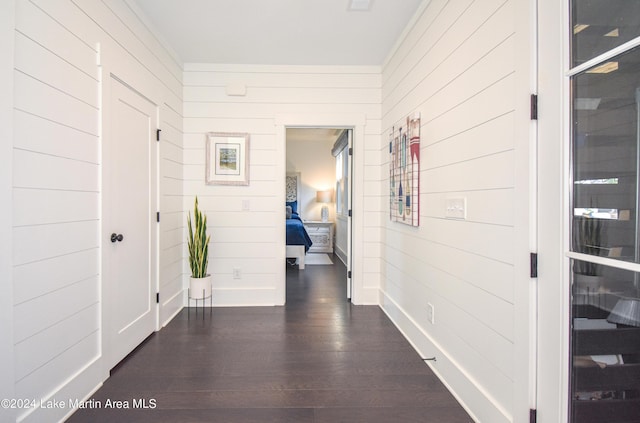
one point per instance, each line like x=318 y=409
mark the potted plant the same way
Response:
x=588 y=240
x=198 y=243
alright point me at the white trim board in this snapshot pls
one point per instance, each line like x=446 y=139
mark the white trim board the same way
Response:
x=457 y=381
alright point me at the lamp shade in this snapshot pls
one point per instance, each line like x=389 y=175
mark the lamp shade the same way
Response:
x=324 y=196
x=626 y=312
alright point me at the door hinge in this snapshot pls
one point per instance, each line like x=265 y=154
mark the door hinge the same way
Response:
x=349 y=213
x=349 y=274
x=158 y=217
x=534 y=107
x=533 y=415
x=157 y=298
x=351 y=151
x=158 y=134
x=533 y=265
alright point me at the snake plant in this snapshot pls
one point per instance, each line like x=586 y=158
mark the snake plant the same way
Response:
x=198 y=243
x=588 y=240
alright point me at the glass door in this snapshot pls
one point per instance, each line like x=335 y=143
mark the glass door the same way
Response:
x=605 y=211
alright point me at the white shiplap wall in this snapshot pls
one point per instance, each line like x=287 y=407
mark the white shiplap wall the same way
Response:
x=55 y=209
x=459 y=66
x=7 y=33
x=57 y=190
x=254 y=241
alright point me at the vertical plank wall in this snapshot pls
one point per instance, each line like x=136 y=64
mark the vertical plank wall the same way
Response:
x=57 y=191
x=250 y=241
x=7 y=31
x=457 y=66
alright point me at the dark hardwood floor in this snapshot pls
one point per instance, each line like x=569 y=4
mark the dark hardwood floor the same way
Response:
x=318 y=359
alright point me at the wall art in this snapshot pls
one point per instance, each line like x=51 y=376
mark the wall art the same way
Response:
x=404 y=171
x=227 y=159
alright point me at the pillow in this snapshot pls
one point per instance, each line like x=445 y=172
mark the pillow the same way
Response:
x=288 y=209
x=293 y=205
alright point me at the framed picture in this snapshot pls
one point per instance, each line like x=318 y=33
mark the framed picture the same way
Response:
x=227 y=158
x=404 y=171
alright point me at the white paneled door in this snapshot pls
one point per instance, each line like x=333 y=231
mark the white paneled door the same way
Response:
x=129 y=208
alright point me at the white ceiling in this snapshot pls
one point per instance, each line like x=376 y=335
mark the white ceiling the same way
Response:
x=279 y=32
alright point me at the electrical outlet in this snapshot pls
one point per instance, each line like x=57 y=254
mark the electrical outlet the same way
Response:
x=431 y=313
x=237 y=274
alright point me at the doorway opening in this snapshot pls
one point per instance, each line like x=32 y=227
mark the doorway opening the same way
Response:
x=318 y=200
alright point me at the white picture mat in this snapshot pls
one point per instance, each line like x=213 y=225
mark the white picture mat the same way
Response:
x=227 y=159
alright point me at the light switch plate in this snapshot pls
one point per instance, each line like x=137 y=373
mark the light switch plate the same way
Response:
x=456 y=208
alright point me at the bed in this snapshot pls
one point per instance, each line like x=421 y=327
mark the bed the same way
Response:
x=298 y=240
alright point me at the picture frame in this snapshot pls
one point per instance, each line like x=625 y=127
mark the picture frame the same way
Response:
x=227 y=158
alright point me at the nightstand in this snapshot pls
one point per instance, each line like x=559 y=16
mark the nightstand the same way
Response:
x=321 y=233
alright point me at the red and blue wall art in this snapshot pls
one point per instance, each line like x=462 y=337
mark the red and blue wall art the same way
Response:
x=404 y=171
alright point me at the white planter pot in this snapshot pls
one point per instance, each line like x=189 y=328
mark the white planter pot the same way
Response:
x=200 y=288
x=587 y=283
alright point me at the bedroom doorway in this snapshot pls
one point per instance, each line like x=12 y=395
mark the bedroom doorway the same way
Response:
x=319 y=187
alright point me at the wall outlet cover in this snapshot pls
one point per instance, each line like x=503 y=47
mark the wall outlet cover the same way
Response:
x=431 y=313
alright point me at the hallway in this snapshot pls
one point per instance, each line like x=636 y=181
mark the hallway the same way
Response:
x=318 y=359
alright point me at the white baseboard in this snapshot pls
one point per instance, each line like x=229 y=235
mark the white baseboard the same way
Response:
x=471 y=396
x=368 y=296
x=239 y=297
x=340 y=254
x=78 y=387
x=171 y=307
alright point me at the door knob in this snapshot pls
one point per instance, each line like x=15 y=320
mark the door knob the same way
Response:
x=117 y=237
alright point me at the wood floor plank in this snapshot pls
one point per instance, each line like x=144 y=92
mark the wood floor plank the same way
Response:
x=432 y=413
x=232 y=415
x=318 y=359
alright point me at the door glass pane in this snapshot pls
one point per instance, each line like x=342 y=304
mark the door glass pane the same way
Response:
x=605 y=349
x=605 y=301
x=345 y=181
x=600 y=25
x=342 y=180
x=605 y=159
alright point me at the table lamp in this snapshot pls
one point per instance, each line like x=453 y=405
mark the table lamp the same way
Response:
x=324 y=197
